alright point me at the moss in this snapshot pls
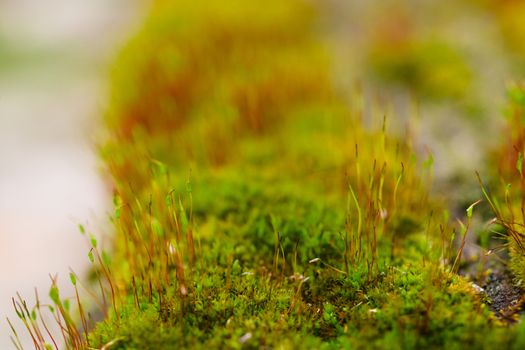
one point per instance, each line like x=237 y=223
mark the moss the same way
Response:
x=296 y=227
x=506 y=201
x=517 y=261
x=431 y=68
x=254 y=209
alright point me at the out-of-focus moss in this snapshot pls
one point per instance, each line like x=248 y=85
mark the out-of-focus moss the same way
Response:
x=430 y=68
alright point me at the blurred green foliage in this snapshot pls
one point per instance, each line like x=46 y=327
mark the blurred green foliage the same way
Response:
x=430 y=68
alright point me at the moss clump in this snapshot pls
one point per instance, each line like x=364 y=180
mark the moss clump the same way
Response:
x=507 y=201
x=401 y=51
x=431 y=68
x=296 y=225
x=517 y=261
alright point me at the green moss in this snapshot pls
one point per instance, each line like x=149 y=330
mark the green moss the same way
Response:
x=254 y=209
x=506 y=201
x=432 y=68
x=517 y=261
x=296 y=227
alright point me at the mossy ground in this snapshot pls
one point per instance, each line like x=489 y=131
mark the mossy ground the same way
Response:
x=254 y=209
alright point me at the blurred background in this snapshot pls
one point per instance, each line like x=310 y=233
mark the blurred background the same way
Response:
x=446 y=62
x=53 y=60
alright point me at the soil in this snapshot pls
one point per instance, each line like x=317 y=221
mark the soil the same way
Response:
x=507 y=300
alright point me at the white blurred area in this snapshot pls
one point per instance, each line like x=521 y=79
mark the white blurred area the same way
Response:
x=52 y=93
